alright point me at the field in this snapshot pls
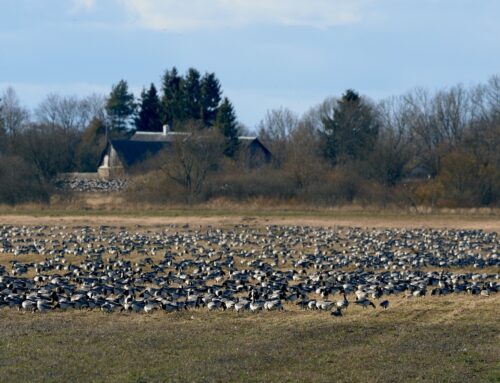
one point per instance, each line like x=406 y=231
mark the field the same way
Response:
x=450 y=338
x=426 y=339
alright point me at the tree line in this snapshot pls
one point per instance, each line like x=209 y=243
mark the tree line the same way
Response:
x=188 y=98
x=420 y=148
x=68 y=133
x=437 y=149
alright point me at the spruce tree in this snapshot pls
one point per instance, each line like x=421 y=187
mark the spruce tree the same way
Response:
x=120 y=107
x=210 y=98
x=149 y=119
x=226 y=123
x=351 y=133
x=172 y=101
x=192 y=94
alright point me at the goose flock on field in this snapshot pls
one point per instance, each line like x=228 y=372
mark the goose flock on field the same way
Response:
x=242 y=268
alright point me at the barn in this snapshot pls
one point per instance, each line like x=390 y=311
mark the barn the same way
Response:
x=120 y=156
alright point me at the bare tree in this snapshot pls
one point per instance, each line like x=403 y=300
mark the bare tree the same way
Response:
x=12 y=115
x=452 y=114
x=192 y=157
x=70 y=112
x=94 y=106
x=276 y=129
x=303 y=162
x=48 y=148
x=392 y=151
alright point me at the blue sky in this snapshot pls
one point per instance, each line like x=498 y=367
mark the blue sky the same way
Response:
x=266 y=53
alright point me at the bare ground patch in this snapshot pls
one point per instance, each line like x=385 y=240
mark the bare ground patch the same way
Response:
x=488 y=223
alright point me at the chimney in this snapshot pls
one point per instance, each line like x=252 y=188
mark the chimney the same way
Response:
x=166 y=129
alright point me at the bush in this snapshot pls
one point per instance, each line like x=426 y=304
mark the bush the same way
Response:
x=19 y=182
x=244 y=185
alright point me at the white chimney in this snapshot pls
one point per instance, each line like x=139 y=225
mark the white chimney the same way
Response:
x=166 y=129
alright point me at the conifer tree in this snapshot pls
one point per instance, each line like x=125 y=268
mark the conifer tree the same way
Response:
x=227 y=124
x=192 y=94
x=210 y=98
x=351 y=133
x=120 y=107
x=172 y=101
x=149 y=119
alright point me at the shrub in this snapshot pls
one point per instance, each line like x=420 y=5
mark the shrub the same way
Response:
x=19 y=182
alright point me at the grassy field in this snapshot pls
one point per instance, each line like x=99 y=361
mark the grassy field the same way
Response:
x=447 y=339
x=433 y=339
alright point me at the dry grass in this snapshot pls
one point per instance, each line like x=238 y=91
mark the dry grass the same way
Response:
x=432 y=339
x=326 y=218
x=451 y=339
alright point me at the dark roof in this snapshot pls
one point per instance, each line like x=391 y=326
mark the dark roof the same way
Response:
x=250 y=143
x=133 y=152
x=157 y=136
x=139 y=135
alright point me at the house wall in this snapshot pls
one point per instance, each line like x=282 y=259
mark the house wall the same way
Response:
x=256 y=156
x=111 y=166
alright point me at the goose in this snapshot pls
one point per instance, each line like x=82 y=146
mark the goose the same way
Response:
x=343 y=303
x=337 y=312
x=273 y=305
x=150 y=307
x=43 y=305
x=240 y=306
x=228 y=304
x=384 y=304
x=361 y=295
x=256 y=306
x=28 y=305
x=63 y=304
x=324 y=305
x=169 y=307
x=365 y=303
x=485 y=292
x=214 y=304
x=311 y=305
x=107 y=307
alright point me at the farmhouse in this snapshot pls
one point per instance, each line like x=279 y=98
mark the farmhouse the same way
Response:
x=120 y=156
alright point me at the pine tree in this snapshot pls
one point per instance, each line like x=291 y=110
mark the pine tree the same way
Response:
x=172 y=101
x=192 y=94
x=149 y=119
x=210 y=98
x=120 y=107
x=226 y=123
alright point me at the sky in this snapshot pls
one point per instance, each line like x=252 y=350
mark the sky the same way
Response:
x=266 y=53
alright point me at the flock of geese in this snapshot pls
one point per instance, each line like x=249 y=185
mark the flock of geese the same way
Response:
x=241 y=268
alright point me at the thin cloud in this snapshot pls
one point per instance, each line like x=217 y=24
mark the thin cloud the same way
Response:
x=82 y=5
x=175 y=15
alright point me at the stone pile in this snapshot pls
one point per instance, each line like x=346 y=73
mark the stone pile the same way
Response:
x=92 y=185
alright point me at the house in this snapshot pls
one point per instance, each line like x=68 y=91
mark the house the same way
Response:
x=120 y=156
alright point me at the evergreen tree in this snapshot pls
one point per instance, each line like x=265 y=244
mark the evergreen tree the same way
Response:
x=351 y=133
x=149 y=119
x=192 y=94
x=226 y=123
x=210 y=98
x=120 y=107
x=172 y=101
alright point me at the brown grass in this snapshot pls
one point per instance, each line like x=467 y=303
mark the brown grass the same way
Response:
x=451 y=339
x=255 y=218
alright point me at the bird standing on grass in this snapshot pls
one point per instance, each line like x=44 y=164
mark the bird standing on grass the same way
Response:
x=337 y=312
x=384 y=304
x=365 y=303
